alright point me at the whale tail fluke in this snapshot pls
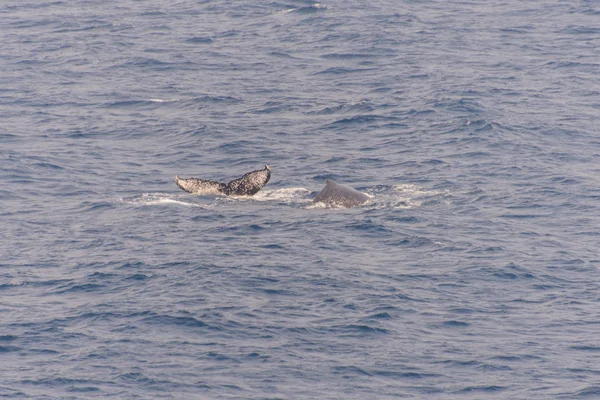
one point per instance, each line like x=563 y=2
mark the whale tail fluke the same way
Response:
x=200 y=186
x=247 y=185
x=250 y=183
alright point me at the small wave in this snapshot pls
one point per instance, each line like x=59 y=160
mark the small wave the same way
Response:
x=342 y=70
x=482 y=388
x=162 y=100
x=311 y=9
x=361 y=119
x=200 y=40
x=138 y=103
x=362 y=105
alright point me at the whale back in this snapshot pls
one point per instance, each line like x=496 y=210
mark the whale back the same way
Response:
x=334 y=194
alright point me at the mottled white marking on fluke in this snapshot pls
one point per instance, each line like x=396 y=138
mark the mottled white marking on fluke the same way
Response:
x=200 y=186
x=247 y=185
x=336 y=195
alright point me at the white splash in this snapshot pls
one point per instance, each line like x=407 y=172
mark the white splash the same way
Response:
x=416 y=190
x=152 y=199
x=404 y=196
x=298 y=194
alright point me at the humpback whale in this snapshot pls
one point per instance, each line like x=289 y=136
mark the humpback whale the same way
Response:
x=247 y=185
x=334 y=194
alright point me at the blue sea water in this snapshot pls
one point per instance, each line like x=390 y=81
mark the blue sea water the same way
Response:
x=472 y=273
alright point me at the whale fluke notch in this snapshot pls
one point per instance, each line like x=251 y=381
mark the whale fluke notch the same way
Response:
x=336 y=195
x=247 y=185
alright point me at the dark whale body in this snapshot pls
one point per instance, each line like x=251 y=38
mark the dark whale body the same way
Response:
x=247 y=185
x=336 y=195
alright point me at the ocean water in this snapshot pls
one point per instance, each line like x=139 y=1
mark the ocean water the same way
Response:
x=473 y=272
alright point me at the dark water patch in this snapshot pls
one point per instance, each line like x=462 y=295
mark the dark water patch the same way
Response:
x=482 y=389
x=279 y=292
x=434 y=162
x=218 y=356
x=584 y=371
x=410 y=241
x=138 y=277
x=381 y=315
x=362 y=119
x=61 y=381
x=92 y=25
x=350 y=370
x=283 y=54
x=49 y=166
x=335 y=160
x=455 y=324
x=257 y=356
x=360 y=330
x=518 y=29
x=342 y=71
x=199 y=40
x=211 y=99
x=466 y=105
x=273 y=247
x=35 y=284
x=168 y=320
x=153 y=13
x=369 y=226
x=405 y=219
x=461 y=363
x=140 y=264
x=566 y=180
x=401 y=375
x=101 y=276
x=461 y=311
x=545 y=287
x=236 y=147
x=8 y=349
x=137 y=378
x=581 y=30
x=487 y=250
x=493 y=367
x=591 y=349
x=83 y=389
x=348 y=56
x=524 y=216
x=510 y=358
x=509 y=271
x=591 y=391
x=369 y=160
x=271 y=107
x=152 y=64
